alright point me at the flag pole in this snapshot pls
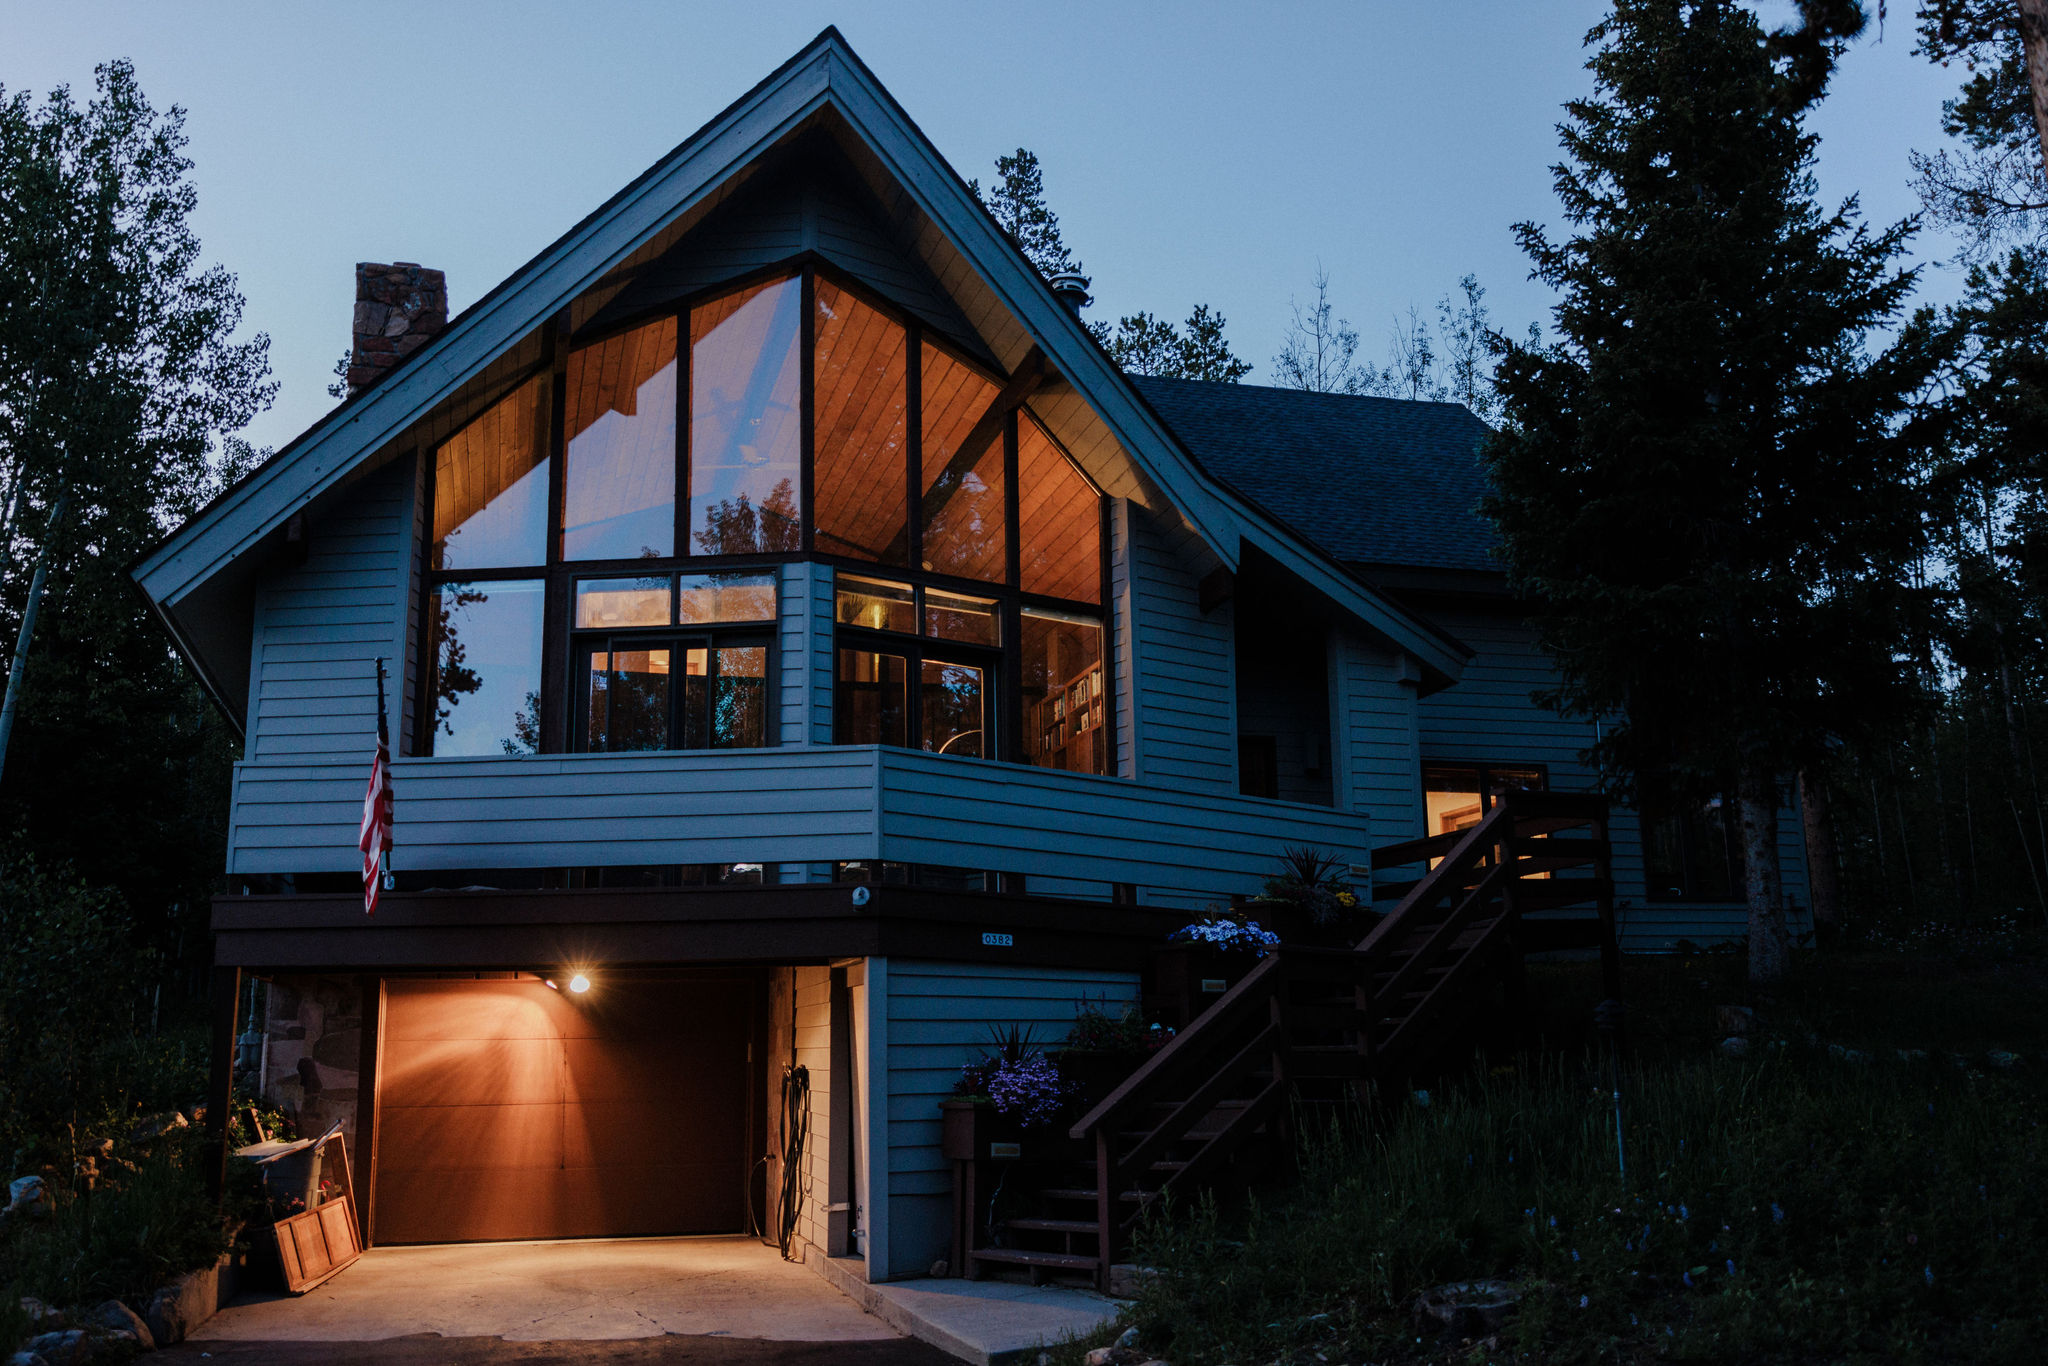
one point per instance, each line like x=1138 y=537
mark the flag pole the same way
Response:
x=384 y=748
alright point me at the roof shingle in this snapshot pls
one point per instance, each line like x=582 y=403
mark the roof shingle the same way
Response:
x=1369 y=480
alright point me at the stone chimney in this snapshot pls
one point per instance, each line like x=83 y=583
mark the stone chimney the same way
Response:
x=399 y=309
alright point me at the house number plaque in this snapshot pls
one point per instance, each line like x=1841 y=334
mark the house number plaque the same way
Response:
x=990 y=939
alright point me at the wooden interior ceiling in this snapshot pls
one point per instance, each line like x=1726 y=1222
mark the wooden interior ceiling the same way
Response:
x=490 y=487
x=1059 y=520
x=745 y=403
x=619 y=490
x=964 y=531
x=859 y=403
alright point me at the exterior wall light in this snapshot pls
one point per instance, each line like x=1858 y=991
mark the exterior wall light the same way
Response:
x=578 y=983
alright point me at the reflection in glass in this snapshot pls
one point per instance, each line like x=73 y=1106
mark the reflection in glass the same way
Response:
x=746 y=450
x=623 y=602
x=869 y=701
x=949 y=700
x=696 y=698
x=739 y=699
x=629 y=696
x=485 y=644
x=491 y=487
x=1059 y=521
x=708 y=598
x=877 y=605
x=1065 y=706
x=965 y=533
x=858 y=404
x=619 y=486
x=955 y=616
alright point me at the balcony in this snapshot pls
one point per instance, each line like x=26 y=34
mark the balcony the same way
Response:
x=798 y=804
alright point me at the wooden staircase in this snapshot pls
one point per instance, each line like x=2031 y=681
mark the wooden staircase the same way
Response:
x=1310 y=1027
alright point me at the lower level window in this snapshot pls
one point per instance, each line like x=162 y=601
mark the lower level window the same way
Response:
x=1692 y=847
x=647 y=694
x=1457 y=796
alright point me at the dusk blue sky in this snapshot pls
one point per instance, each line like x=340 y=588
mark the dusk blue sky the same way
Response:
x=1195 y=152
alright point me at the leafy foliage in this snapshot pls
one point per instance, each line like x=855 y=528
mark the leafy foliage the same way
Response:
x=121 y=379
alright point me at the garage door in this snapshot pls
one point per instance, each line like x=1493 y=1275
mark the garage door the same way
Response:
x=509 y=1110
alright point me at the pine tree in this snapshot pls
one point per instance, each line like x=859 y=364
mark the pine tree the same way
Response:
x=1017 y=201
x=1704 y=487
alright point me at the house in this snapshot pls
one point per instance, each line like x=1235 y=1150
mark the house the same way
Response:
x=806 y=651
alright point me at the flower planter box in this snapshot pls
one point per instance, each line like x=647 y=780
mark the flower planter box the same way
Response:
x=972 y=1131
x=1189 y=978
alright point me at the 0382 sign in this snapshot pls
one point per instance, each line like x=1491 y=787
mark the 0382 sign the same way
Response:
x=996 y=939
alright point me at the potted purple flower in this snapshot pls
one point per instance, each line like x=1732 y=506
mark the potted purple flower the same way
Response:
x=1009 y=1096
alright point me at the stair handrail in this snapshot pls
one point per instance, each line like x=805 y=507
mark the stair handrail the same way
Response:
x=1451 y=872
x=1256 y=986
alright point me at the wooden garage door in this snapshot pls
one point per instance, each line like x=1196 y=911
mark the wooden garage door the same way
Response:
x=508 y=1110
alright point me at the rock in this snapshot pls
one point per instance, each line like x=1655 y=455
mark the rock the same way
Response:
x=113 y=1314
x=1468 y=1308
x=28 y=1196
x=156 y=1126
x=1735 y=1020
x=181 y=1306
x=26 y=1358
x=1117 y=1356
x=1735 y=1046
x=1912 y=1055
x=939 y=1268
x=41 y=1317
x=1842 y=1054
x=70 y=1347
x=1126 y=1278
x=1129 y=1338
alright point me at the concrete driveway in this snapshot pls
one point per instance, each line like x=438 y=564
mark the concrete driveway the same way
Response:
x=624 y=1300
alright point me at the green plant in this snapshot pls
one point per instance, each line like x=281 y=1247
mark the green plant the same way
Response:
x=1309 y=882
x=1098 y=1029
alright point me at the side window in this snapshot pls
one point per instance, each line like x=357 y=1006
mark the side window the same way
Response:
x=1692 y=846
x=1456 y=796
x=917 y=667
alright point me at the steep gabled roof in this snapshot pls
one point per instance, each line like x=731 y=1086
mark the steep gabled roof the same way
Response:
x=1372 y=481
x=199 y=574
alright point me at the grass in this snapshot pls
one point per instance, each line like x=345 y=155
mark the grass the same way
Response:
x=1793 y=1205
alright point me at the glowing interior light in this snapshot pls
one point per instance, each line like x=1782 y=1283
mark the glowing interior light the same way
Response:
x=551 y=983
x=577 y=983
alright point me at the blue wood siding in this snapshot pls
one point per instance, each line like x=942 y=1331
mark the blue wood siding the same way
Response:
x=1185 y=711
x=1490 y=717
x=1180 y=848
x=939 y=1016
x=1378 y=742
x=321 y=625
x=562 y=810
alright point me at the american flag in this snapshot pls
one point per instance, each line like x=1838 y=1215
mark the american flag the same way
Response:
x=375 y=841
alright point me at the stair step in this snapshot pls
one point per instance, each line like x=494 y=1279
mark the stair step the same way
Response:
x=1055 y=1193
x=1066 y=1261
x=1054 y=1225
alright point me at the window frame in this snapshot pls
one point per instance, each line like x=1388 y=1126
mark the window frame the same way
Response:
x=1485 y=769
x=712 y=637
x=559 y=704
x=1657 y=804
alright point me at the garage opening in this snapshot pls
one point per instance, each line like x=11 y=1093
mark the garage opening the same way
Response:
x=510 y=1110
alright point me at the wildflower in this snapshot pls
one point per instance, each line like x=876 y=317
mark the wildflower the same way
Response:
x=1422 y=1100
x=1684 y=1213
x=1582 y=1301
x=1731 y=1266
x=1553 y=1221
x=1930 y=1275
x=1688 y=1278
x=1713 y=1244
x=1575 y=1254
x=1777 y=1214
